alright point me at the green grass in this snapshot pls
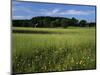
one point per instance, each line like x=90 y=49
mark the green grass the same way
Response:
x=57 y=50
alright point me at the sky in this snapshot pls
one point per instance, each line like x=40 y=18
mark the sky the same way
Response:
x=27 y=10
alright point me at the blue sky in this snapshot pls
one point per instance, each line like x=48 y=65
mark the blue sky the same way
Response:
x=27 y=10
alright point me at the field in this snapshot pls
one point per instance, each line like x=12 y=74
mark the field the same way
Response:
x=53 y=49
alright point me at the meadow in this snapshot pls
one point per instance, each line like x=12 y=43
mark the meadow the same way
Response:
x=53 y=49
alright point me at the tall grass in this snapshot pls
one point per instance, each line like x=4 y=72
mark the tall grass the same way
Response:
x=57 y=50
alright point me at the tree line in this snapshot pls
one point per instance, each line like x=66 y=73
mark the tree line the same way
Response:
x=52 y=22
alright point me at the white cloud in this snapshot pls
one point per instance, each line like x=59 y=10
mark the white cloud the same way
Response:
x=49 y=12
x=66 y=12
x=76 y=12
x=55 y=11
x=21 y=17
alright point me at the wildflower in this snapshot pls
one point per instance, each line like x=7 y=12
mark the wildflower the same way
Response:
x=81 y=62
x=72 y=60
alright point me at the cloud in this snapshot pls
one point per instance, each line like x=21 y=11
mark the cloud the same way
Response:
x=66 y=12
x=55 y=11
x=58 y=11
x=76 y=12
x=21 y=17
x=49 y=12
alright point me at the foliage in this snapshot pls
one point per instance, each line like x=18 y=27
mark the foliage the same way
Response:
x=51 y=22
x=83 y=23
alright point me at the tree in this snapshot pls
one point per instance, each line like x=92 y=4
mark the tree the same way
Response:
x=74 y=21
x=53 y=24
x=92 y=24
x=83 y=23
x=57 y=23
x=45 y=23
x=64 y=23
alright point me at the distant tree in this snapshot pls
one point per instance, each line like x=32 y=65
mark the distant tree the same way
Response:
x=47 y=21
x=74 y=21
x=92 y=24
x=64 y=23
x=57 y=23
x=53 y=24
x=83 y=23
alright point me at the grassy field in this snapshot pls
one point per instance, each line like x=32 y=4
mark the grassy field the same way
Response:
x=53 y=49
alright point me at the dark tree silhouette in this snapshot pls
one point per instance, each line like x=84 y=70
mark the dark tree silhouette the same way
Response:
x=50 y=22
x=74 y=21
x=83 y=23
